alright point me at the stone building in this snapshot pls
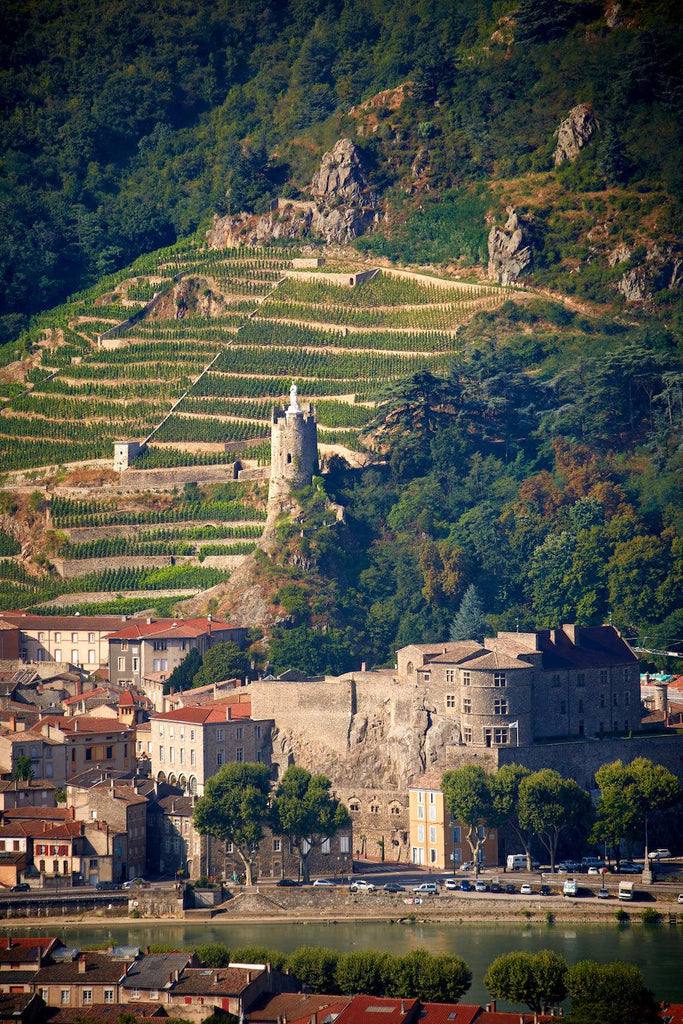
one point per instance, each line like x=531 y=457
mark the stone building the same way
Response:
x=79 y=640
x=294 y=447
x=191 y=744
x=118 y=804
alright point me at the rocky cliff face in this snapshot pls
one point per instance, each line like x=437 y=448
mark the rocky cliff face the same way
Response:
x=574 y=132
x=509 y=250
x=663 y=268
x=343 y=206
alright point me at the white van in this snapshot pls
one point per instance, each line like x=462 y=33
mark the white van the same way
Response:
x=625 y=890
x=516 y=862
x=569 y=887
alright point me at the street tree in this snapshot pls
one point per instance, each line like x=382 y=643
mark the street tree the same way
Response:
x=307 y=813
x=234 y=809
x=441 y=977
x=469 y=798
x=550 y=805
x=536 y=979
x=505 y=789
x=628 y=794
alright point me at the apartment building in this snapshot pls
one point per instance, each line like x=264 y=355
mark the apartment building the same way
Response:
x=190 y=744
x=87 y=742
x=151 y=649
x=47 y=753
x=118 y=804
x=437 y=840
x=84 y=980
x=79 y=640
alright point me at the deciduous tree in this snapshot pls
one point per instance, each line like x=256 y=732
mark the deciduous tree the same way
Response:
x=234 y=809
x=550 y=805
x=536 y=979
x=306 y=812
x=469 y=797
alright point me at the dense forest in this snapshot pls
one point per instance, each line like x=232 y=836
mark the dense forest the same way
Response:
x=125 y=126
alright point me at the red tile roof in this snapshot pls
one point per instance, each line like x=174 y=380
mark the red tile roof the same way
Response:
x=45 y=942
x=671 y=1013
x=223 y=981
x=82 y=724
x=372 y=1010
x=126 y=699
x=449 y=1013
x=41 y=830
x=183 y=628
x=294 y=1006
x=39 y=813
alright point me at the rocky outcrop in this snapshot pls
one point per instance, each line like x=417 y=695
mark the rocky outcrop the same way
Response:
x=509 y=250
x=574 y=132
x=662 y=270
x=343 y=206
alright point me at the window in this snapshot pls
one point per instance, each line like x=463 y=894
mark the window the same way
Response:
x=602 y=700
x=220 y=735
x=581 y=679
x=626 y=675
x=87 y=996
x=500 y=679
x=420 y=796
x=427 y=676
x=466 y=679
x=395 y=809
x=450 y=675
x=161 y=754
x=420 y=811
x=555 y=680
x=91 y=638
x=500 y=737
x=277 y=845
x=627 y=698
x=239 y=733
x=88 y=753
x=41 y=637
x=344 y=844
x=181 y=752
x=325 y=847
x=581 y=727
x=603 y=675
x=500 y=707
x=374 y=809
x=91 y=657
x=258 y=732
x=122 y=664
x=615 y=700
x=171 y=732
x=354 y=806
x=159 y=645
x=239 y=754
x=65 y=996
x=467 y=706
x=409 y=668
x=220 y=757
x=432 y=833
x=457 y=834
x=136 y=664
x=432 y=813
x=420 y=833
x=171 y=755
x=193 y=757
x=110 y=753
x=450 y=700
x=74 y=657
x=58 y=655
x=58 y=638
x=467 y=734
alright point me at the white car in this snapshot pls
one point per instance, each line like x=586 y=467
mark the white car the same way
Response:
x=323 y=883
x=361 y=885
x=659 y=854
x=680 y=897
x=526 y=890
x=593 y=870
x=427 y=888
x=451 y=883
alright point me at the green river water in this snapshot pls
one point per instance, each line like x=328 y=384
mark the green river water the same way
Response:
x=657 y=950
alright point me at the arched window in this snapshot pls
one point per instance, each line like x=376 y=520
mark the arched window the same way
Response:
x=193 y=785
x=354 y=805
x=409 y=668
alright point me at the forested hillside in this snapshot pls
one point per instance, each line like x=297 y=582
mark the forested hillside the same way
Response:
x=125 y=126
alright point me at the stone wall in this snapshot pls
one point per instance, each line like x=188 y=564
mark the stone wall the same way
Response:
x=70 y=568
x=381 y=824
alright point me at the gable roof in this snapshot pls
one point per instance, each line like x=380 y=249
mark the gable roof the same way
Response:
x=152 y=971
x=170 y=628
x=293 y=1006
x=99 y=969
x=224 y=981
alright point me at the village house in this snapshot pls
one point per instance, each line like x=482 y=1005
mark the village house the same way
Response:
x=154 y=647
x=26 y=793
x=119 y=805
x=150 y=977
x=81 y=979
x=89 y=741
x=79 y=640
x=47 y=754
x=191 y=744
x=199 y=991
x=437 y=839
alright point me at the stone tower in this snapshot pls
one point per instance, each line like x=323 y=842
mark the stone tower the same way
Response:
x=294 y=447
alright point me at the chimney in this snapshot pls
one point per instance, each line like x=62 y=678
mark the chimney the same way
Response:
x=9 y=942
x=491 y=1007
x=149 y=620
x=13 y=723
x=79 y=686
x=248 y=977
x=403 y=1006
x=363 y=666
x=314 y=1018
x=72 y=813
x=81 y=965
x=170 y=977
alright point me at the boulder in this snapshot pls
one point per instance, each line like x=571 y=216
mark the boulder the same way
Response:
x=509 y=251
x=574 y=132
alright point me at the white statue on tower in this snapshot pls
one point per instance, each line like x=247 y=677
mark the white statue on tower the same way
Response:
x=293 y=399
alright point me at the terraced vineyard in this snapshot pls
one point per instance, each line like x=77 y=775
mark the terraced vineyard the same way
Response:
x=195 y=375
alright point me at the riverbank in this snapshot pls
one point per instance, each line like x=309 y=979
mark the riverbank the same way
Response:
x=297 y=907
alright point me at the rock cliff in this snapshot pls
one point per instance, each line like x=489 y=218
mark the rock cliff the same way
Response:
x=662 y=269
x=578 y=128
x=509 y=250
x=343 y=206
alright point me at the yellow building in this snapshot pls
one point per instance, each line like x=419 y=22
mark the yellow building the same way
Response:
x=437 y=840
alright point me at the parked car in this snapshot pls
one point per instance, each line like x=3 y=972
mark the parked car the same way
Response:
x=105 y=885
x=466 y=886
x=21 y=887
x=660 y=854
x=288 y=883
x=591 y=862
x=545 y=890
x=510 y=889
x=427 y=889
x=362 y=885
x=568 y=867
x=680 y=897
x=481 y=887
x=627 y=867
x=603 y=894
x=394 y=887
x=134 y=883
x=451 y=883
x=496 y=887
x=526 y=890
x=593 y=870
x=323 y=883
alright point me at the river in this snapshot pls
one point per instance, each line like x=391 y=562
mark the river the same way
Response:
x=657 y=950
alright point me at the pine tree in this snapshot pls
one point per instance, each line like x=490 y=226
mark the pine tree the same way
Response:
x=469 y=622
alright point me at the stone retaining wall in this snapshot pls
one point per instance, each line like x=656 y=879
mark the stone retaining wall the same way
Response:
x=70 y=568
